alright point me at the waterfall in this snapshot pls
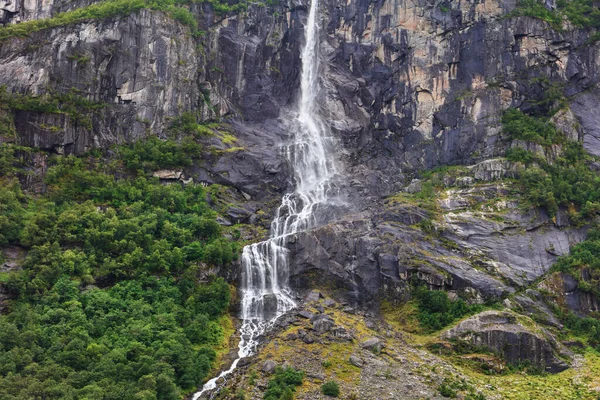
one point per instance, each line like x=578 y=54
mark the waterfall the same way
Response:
x=265 y=292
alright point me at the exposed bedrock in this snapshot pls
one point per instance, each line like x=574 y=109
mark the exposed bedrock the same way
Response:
x=517 y=339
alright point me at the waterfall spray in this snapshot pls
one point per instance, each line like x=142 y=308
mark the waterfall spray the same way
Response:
x=265 y=292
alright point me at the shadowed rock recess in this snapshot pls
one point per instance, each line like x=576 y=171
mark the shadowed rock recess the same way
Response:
x=430 y=199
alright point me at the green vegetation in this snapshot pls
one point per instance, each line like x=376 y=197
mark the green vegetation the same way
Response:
x=451 y=388
x=436 y=310
x=583 y=260
x=521 y=126
x=152 y=153
x=176 y=9
x=283 y=384
x=584 y=255
x=106 y=9
x=107 y=301
x=331 y=389
x=72 y=104
x=447 y=391
x=537 y=9
x=581 y=13
x=566 y=182
x=187 y=124
x=137 y=339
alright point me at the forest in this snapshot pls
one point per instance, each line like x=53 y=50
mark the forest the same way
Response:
x=108 y=302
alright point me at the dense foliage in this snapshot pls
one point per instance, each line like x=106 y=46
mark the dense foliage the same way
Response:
x=283 y=384
x=524 y=127
x=566 y=182
x=436 y=310
x=580 y=13
x=76 y=107
x=108 y=304
x=331 y=389
x=138 y=339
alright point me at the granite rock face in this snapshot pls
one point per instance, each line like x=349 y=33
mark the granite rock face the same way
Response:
x=502 y=333
x=139 y=67
x=406 y=86
x=471 y=251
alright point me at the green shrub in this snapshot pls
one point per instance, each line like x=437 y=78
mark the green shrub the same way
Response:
x=283 y=384
x=537 y=9
x=568 y=183
x=436 y=310
x=524 y=127
x=331 y=389
x=446 y=391
x=518 y=154
x=153 y=153
x=565 y=182
x=102 y=10
x=187 y=124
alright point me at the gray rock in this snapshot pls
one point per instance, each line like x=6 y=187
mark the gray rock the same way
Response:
x=313 y=296
x=322 y=323
x=341 y=333
x=414 y=187
x=502 y=333
x=493 y=169
x=356 y=361
x=269 y=305
x=269 y=367
x=374 y=344
x=305 y=314
x=308 y=339
x=370 y=324
x=168 y=174
x=465 y=181
x=329 y=303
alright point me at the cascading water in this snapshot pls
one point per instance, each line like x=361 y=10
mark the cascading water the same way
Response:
x=265 y=293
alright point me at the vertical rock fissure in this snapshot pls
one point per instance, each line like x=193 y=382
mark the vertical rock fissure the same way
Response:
x=265 y=291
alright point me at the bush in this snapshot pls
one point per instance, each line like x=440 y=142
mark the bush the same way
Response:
x=436 y=311
x=446 y=391
x=524 y=127
x=152 y=153
x=283 y=384
x=331 y=389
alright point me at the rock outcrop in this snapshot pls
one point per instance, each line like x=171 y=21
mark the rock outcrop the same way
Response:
x=503 y=333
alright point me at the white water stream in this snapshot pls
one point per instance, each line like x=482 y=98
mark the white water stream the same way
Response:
x=265 y=292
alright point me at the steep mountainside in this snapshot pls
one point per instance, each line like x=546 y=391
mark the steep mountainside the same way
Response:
x=468 y=132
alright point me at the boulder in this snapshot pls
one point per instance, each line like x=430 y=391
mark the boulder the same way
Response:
x=168 y=174
x=269 y=367
x=313 y=296
x=305 y=314
x=516 y=339
x=374 y=344
x=341 y=333
x=415 y=186
x=270 y=305
x=329 y=303
x=356 y=361
x=322 y=323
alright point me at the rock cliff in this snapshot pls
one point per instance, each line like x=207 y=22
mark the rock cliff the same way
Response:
x=408 y=87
